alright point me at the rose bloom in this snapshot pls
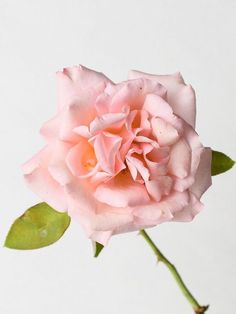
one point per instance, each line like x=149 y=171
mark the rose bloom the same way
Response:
x=121 y=157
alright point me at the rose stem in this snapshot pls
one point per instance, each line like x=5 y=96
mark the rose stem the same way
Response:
x=198 y=309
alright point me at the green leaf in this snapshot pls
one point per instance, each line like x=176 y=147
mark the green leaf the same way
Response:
x=220 y=163
x=39 y=226
x=97 y=248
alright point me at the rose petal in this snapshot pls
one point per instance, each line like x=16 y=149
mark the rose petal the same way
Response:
x=196 y=147
x=122 y=192
x=57 y=166
x=42 y=184
x=81 y=160
x=203 y=174
x=81 y=84
x=156 y=160
x=106 y=147
x=101 y=236
x=181 y=97
x=153 y=213
x=159 y=187
x=83 y=131
x=180 y=159
x=190 y=211
x=105 y=121
x=165 y=133
x=158 y=107
x=132 y=93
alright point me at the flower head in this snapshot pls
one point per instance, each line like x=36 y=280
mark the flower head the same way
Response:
x=121 y=157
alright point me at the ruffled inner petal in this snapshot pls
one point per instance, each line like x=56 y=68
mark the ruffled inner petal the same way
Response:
x=106 y=148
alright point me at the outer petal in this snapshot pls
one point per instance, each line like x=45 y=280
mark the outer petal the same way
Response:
x=40 y=159
x=180 y=159
x=153 y=213
x=98 y=220
x=180 y=96
x=42 y=183
x=203 y=174
x=78 y=89
x=63 y=124
x=79 y=83
x=132 y=93
x=57 y=166
x=122 y=193
x=196 y=147
x=101 y=236
x=156 y=213
x=190 y=211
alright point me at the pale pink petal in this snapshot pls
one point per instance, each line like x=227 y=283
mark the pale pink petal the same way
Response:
x=101 y=236
x=79 y=84
x=133 y=93
x=51 y=129
x=156 y=160
x=64 y=125
x=99 y=177
x=177 y=201
x=130 y=119
x=196 y=147
x=127 y=139
x=137 y=224
x=158 y=107
x=190 y=211
x=57 y=165
x=179 y=95
x=106 y=147
x=133 y=170
x=167 y=79
x=51 y=158
x=109 y=120
x=180 y=159
x=203 y=174
x=74 y=115
x=122 y=192
x=111 y=219
x=138 y=164
x=183 y=184
x=153 y=213
x=184 y=103
x=159 y=187
x=102 y=104
x=83 y=131
x=158 y=212
x=43 y=185
x=80 y=198
x=143 y=139
x=42 y=158
x=81 y=159
x=165 y=133
x=41 y=182
x=144 y=120
x=98 y=220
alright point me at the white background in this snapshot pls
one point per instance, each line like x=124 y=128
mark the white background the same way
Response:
x=39 y=37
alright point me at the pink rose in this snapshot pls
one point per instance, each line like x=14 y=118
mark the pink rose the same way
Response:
x=121 y=157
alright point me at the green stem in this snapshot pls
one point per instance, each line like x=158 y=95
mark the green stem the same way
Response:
x=198 y=309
